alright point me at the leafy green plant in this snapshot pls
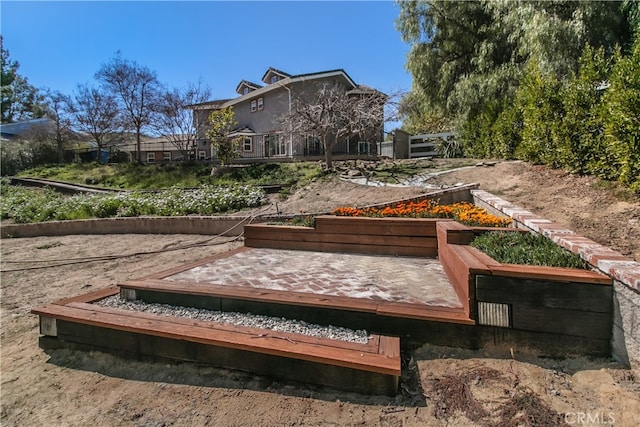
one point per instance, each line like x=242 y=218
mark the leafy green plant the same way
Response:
x=24 y=205
x=511 y=247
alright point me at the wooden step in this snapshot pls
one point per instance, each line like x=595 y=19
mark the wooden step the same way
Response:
x=362 y=305
x=372 y=367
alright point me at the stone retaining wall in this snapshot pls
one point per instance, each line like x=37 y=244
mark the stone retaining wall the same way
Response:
x=625 y=345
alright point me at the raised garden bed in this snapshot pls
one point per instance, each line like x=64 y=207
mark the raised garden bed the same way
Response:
x=373 y=367
x=556 y=300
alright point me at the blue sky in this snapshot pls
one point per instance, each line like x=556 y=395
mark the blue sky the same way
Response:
x=62 y=44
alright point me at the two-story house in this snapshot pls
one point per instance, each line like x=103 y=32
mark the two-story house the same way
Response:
x=259 y=109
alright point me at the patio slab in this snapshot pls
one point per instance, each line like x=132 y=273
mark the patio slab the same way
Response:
x=405 y=280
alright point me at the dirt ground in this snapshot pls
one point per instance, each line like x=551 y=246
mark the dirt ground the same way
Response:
x=441 y=386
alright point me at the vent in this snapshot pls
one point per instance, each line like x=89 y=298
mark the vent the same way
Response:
x=128 y=294
x=494 y=314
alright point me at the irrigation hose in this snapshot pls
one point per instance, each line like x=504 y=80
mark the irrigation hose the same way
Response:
x=59 y=262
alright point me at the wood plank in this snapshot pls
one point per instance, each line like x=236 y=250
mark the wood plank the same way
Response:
x=216 y=337
x=469 y=260
x=427 y=313
x=310 y=235
x=563 y=321
x=389 y=347
x=392 y=226
x=256 y=294
x=346 y=248
x=91 y=296
x=555 y=274
x=548 y=294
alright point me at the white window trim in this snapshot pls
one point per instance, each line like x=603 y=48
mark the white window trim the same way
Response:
x=202 y=155
x=244 y=144
x=151 y=157
x=166 y=156
x=254 y=105
x=260 y=103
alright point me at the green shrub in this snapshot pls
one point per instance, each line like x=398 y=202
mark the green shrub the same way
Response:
x=24 y=205
x=512 y=247
x=622 y=118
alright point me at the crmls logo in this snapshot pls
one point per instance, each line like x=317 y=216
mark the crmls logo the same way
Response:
x=588 y=418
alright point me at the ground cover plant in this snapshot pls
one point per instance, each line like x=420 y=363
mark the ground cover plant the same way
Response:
x=138 y=176
x=510 y=247
x=26 y=205
x=463 y=212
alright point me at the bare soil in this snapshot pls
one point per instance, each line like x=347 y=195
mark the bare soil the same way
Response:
x=441 y=386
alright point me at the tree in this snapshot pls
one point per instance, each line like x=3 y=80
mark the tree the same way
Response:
x=136 y=88
x=60 y=112
x=464 y=54
x=221 y=123
x=96 y=112
x=20 y=100
x=175 y=122
x=332 y=113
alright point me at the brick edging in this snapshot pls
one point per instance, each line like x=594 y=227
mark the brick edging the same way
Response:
x=604 y=259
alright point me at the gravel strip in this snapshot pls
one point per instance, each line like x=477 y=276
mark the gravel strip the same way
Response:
x=276 y=324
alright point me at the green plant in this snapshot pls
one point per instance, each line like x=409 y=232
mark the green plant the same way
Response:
x=512 y=247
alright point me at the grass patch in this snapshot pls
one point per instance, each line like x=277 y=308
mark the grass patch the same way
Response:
x=525 y=248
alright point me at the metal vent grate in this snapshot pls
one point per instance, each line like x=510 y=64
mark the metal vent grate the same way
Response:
x=494 y=314
x=128 y=294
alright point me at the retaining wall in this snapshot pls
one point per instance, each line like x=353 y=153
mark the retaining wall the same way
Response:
x=625 y=344
x=207 y=225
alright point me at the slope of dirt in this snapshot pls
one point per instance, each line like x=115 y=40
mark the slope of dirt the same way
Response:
x=441 y=386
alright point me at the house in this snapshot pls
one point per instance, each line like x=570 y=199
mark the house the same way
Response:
x=258 y=109
x=26 y=129
x=167 y=149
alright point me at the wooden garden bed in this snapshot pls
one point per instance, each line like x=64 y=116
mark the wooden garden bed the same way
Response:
x=366 y=368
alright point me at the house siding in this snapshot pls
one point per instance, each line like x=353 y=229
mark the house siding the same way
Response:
x=277 y=98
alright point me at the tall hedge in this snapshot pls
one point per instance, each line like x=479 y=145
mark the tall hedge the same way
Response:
x=622 y=118
x=587 y=122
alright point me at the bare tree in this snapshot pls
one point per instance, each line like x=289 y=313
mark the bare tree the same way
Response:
x=175 y=122
x=60 y=111
x=332 y=113
x=96 y=112
x=137 y=89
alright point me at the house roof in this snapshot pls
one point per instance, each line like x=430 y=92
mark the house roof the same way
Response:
x=243 y=131
x=218 y=104
x=271 y=70
x=250 y=85
x=20 y=128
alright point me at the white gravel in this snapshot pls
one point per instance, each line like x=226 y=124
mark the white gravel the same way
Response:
x=276 y=324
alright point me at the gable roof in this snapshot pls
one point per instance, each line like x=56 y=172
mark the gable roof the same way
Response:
x=266 y=78
x=280 y=83
x=250 y=85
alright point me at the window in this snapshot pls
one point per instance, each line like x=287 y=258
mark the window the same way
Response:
x=245 y=90
x=253 y=105
x=247 y=144
x=166 y=156
x=364 y=147
x=202 y=155
x=274 y=145
x=260 y=103
x=151 y=157
x=274 y=79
